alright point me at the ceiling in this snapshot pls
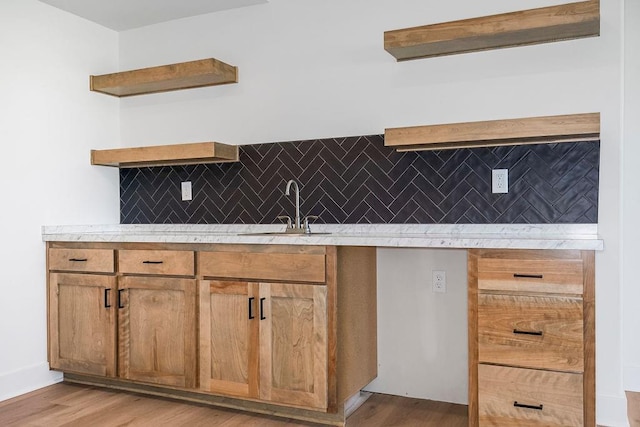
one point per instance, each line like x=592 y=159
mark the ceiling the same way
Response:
x=123 y=15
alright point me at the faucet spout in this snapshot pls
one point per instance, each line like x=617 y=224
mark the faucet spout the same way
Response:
x=287 y=192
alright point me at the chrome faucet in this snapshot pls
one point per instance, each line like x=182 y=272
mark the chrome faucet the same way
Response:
x=296 y=226
x=296 y=222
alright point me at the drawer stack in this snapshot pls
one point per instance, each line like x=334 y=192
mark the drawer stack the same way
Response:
x=531 y=338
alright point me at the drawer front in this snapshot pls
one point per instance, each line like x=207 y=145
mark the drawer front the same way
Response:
x=527 y=397
x=85 y=260
x=263 y=266
x=531 y=331
x=550 y=275
x=171 y=263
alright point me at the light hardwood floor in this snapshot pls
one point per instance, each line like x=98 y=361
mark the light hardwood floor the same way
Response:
x=71 y=405
x=633 y=408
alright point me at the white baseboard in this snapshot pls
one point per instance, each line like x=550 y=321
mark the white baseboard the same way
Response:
x=611 y=411
x=631 y=378
x=27 y=379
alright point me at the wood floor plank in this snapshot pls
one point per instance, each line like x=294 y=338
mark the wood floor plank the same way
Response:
x=70 y=405
x=85 y=405
x=128 y=410
x=633 y=408
x=386 y=410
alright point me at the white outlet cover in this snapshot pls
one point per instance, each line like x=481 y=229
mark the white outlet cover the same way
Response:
x=439 y=281
x=186 y=190
x=500 y=181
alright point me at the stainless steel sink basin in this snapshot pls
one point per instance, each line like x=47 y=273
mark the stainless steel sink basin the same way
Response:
x=283 y=233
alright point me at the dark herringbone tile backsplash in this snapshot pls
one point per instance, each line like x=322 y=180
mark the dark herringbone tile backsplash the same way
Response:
x=358 y=180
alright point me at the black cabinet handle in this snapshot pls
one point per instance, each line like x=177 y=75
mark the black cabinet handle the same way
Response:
x=262 y=309
x=251 y=316
x=152 y=262
x=521 y=405
x=78 y=259
x=518 y=331
x=120 y=291
x=528 y=276
x=106 y=298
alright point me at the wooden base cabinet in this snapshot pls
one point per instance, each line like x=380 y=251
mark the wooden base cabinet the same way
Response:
x=81 y=288
x=290 y=325
x=264 y=340
x=531 y=338
x=277 y=329
x=157 y=316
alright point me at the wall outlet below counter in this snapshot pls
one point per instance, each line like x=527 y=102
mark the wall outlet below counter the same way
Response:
x=439 y=281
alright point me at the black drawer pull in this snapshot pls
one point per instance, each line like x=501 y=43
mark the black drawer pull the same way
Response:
x=251 y=316
x=521 y=405
x=518 y=331
x=120 y=291
x=107 y=291
x=528 y=276
x=152 y=262
x=262 y=309
x=78 y=259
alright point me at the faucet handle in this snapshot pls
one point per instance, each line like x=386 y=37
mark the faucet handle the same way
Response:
x=307 y=229
x=286 y=218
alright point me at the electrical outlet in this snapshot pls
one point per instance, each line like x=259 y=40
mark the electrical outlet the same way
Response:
x=439 y=281
x=186 y=191
x=500 y=181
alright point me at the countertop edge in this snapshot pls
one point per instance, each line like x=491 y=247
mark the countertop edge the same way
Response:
x=465 y=236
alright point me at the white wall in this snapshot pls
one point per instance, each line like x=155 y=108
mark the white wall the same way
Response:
x=48 y=122
x=631 y=207
x=422 y=347
x=317 y=69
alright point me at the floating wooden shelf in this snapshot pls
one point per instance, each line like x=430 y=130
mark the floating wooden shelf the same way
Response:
x=530 y=130
x=166 y=155
x=185 y=75
x=543 y=25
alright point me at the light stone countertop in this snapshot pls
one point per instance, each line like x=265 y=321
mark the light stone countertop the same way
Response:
x=461 y=236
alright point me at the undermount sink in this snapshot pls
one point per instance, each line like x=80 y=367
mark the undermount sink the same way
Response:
x=284 y=233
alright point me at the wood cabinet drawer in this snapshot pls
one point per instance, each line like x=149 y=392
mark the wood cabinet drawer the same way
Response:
x=263 y=266
x=531 y=331
x=527 y=397
x=171 y=263
x=85 y=260
x=531 y=275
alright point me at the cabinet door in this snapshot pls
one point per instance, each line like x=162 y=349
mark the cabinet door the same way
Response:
x=157 y=324
x=82 y=323
x=229 y=337
x=293 y=344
